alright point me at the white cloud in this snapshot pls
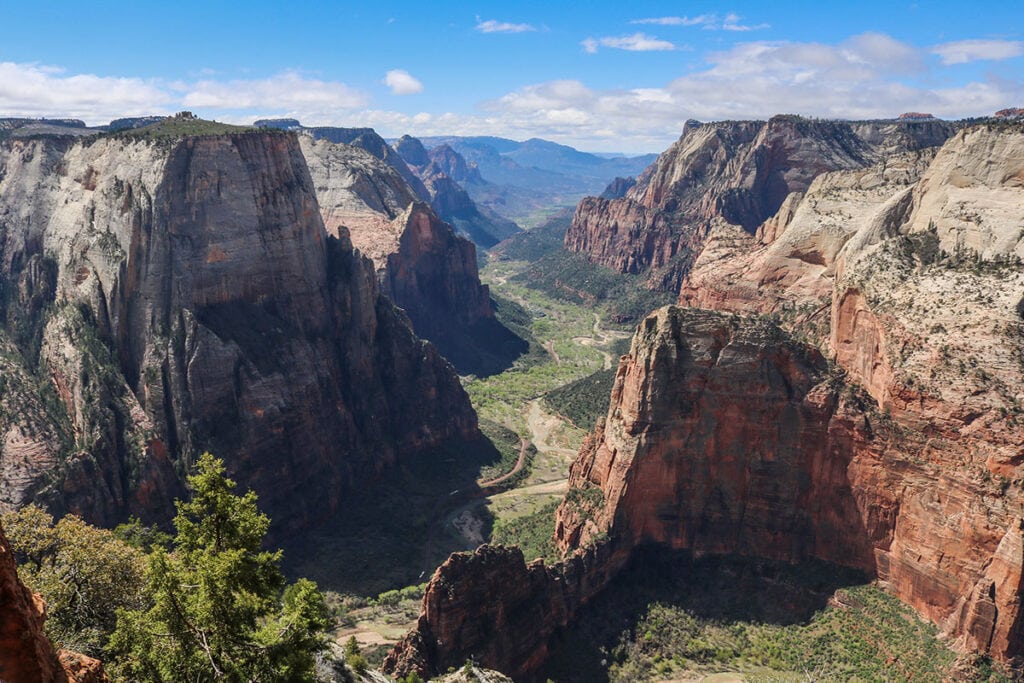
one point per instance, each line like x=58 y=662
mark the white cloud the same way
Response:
x=678 y=21
x=493 y=26
x=402 y=82
x=287 y=90
x=732 y=23
x=638 y=42
x=38 y=90
x=963 y=51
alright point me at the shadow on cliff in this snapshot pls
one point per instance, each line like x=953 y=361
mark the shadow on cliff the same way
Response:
x=719 y=590
x=485 y=348
x=395 y=531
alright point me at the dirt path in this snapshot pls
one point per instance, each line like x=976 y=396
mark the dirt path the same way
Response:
x=549 y=346
x=523 y=445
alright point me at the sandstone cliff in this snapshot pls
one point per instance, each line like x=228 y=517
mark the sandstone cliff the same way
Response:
x=737 y=173
x=903 y=457
x=26 y=654
x=187 y=298
x=422 y=265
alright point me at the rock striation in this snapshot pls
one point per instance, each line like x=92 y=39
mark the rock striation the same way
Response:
x=874 y=424
x=26 y=654
x=175 y=294
x=422 y=265
x=736 y=172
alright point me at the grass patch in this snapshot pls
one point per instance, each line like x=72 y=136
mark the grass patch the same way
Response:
x=670 y=616
x=533 y=533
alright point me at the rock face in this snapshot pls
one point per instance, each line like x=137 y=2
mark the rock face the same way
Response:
x=188 y=298
x=422 y=265
x=901 y=458
x=736 y=173
x=26 y=654
x=491 y=606
x=447 y=197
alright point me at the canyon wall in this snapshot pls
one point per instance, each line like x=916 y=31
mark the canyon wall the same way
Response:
x=421 y=264
x=734 y=172
x=181 y=294
x=857 y=397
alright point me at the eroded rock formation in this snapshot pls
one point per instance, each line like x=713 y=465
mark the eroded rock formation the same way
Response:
x=192 y=300
x=422 y=265
x=737 y=173
x=900 y=456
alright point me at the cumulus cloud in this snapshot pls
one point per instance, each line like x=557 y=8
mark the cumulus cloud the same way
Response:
x=493 y=26
x=638 y=42
x=38 y=90
x=288 y=90
x=964 y=51
x=402 y=82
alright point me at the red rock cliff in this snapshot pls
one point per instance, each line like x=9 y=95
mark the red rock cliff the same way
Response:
x=738 y=173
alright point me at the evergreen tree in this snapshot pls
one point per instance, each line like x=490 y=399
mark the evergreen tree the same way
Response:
x=219 y=609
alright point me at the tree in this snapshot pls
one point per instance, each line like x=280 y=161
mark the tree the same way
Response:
x=84 y=574
x=220 y=610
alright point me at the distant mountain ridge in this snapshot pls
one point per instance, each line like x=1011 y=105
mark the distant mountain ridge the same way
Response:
x=536 y=174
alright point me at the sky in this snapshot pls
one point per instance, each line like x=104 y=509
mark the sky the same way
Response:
x=601 y=76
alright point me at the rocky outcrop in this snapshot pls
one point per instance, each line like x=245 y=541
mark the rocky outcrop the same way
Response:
x=26 y=654
x=725 y=437
x=618 y=188
x=199 y=304
x=736 y=173
x=358 y=192
x=493 y=608
x=454 y=165
x=432 y=274
x=422 y=265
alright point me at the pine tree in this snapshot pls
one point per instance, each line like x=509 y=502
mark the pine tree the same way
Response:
x=220 y=610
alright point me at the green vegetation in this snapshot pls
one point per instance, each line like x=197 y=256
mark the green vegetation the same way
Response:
x=670 y=616
x=85 y=575
x=509 y=445
x=184 y=124
x=540 y=262
x=533 y=533
x=584 y=401
x=218 y=607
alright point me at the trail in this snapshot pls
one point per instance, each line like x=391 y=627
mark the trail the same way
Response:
x=523 y=445
x=601 y=338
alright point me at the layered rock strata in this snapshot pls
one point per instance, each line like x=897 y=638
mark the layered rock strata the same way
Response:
x=422 y=265
x=737 y=173
x=437 y=169
x=187 y=297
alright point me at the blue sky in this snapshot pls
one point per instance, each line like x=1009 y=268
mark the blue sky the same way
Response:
x=602 y=76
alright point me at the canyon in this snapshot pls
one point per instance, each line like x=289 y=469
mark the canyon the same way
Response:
x=166 y=294
x=842 y=381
